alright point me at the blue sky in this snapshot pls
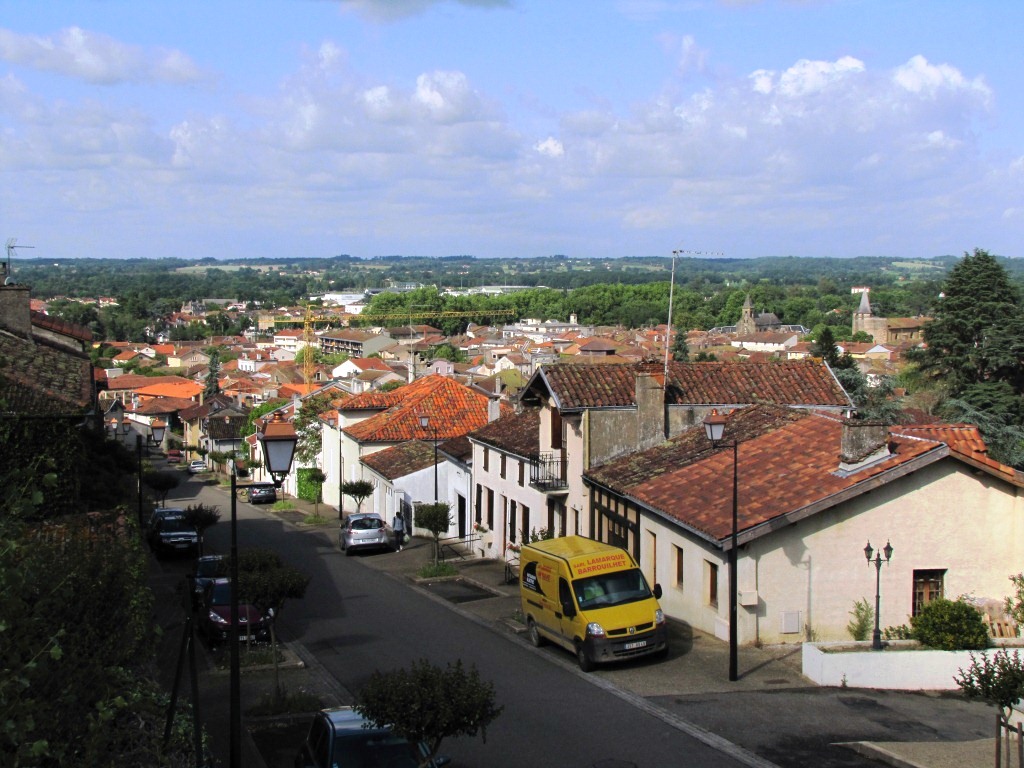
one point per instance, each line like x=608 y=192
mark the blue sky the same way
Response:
x=502 y=128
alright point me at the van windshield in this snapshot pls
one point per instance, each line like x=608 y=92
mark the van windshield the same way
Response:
x=609 y=589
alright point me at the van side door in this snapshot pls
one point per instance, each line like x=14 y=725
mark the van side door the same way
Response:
x=568 y=612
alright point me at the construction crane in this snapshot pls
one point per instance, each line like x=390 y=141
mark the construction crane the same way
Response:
x=308 y=358
x=311 y=319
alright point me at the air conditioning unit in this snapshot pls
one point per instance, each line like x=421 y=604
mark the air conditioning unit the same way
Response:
x=790 y=624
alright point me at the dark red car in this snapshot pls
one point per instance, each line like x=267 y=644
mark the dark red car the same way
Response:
x=215 y=615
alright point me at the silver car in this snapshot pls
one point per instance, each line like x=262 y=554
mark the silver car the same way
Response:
x=365 y=531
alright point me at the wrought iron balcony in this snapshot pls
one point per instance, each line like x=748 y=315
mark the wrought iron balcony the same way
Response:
x=547 y=472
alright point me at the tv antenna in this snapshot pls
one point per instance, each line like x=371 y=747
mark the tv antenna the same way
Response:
x=5 y=268
x=671 y=295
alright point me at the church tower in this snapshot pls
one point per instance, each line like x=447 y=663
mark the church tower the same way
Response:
x=864 y=320
x=746 y=326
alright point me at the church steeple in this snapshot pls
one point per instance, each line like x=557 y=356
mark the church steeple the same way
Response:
x=747 y=324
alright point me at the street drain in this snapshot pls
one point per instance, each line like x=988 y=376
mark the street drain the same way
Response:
x=457 y=590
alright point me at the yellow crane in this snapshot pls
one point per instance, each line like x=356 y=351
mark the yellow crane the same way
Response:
x=313 y=320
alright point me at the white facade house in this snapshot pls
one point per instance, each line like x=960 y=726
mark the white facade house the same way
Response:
x=812 y=491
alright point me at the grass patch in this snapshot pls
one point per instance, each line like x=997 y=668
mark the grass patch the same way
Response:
x=286 y=703
x=432 y=571
x=282 y=506
x=258 y=655
x=315 y=519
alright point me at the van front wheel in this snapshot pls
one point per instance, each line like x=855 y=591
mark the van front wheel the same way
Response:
x=585 y=662
x=535 y=639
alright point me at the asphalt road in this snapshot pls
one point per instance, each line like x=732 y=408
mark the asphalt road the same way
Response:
x=355 y=621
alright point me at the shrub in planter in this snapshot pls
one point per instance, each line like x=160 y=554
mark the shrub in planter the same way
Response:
x=950 y=625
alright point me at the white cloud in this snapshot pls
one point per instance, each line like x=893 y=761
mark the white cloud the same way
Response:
x=96 y=58
x=392 y=10
x=550 y=147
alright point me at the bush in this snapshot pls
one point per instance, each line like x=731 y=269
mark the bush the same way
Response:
x=863 y=618
x=950 y=625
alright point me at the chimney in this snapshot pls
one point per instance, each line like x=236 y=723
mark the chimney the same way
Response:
x=493 y=409
x=862 y=443
x=15 y=314
x=650 y=410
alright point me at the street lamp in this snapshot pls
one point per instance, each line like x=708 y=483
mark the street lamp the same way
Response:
x=278 y=440
x=156 y=432
x=876 y=636
x=714 y=429
x=425 y=424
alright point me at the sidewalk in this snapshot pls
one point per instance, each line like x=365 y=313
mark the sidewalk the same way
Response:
x=696 y=666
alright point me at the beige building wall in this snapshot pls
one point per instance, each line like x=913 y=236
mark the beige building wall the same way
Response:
x=802 y=581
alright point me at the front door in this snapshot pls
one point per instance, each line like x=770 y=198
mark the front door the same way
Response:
x=461 y=515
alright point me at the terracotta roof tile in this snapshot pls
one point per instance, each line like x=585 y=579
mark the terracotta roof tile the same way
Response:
x=454 y=409
x=799 y=382
x=516 y=433
x=401 y=460
x=788 y=460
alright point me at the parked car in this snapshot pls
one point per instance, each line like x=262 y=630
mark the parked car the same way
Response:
x=215 y=615
x=173 y=456
x=364 y=531
x=341 y=736
x=196 y=466
x=173 y=535
x=262 y=493
x=161 y=512
x=207 y=569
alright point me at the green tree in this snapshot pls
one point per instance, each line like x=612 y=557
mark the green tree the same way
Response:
x=427 y=704
x=996 y=678
x=268 y=582
x=161 y=483
x=307 y=425
x=971 y=337
x=359 y=490
x=201 y=517
x=436 y=518
x=212 y=385
x=680 y=351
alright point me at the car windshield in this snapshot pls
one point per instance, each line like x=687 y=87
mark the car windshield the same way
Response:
x=221 y=593
x=367 y=523
x=371 y=749
x=176 y=525
x=609 y=589
x=207 y=568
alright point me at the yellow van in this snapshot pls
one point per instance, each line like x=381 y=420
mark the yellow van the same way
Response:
x=591 y=599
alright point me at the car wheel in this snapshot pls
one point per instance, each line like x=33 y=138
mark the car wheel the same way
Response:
x=534 y=633
x=585 y=662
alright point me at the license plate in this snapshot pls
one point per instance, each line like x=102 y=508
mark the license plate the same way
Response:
x=638 y=644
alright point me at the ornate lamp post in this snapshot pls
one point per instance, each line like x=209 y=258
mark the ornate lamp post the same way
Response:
x=278 y=440
x=714 y=429
x=425 y=424
x=156 y=433
x=876 y=636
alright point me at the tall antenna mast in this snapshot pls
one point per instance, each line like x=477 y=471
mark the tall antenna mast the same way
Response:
x=5 y=268
x=671 y=293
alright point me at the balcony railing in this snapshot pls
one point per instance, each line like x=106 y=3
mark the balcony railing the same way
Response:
x=547 y=472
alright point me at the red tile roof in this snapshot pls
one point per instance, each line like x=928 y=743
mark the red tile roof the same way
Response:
x=454 y=409
x=515 y=433
x=797 y=382
x=788 y=464
x=401 y=460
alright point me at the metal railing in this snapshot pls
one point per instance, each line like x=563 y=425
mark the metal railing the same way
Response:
x=547 y=472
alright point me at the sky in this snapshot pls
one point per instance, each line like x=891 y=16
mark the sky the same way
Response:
x=511 y=128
